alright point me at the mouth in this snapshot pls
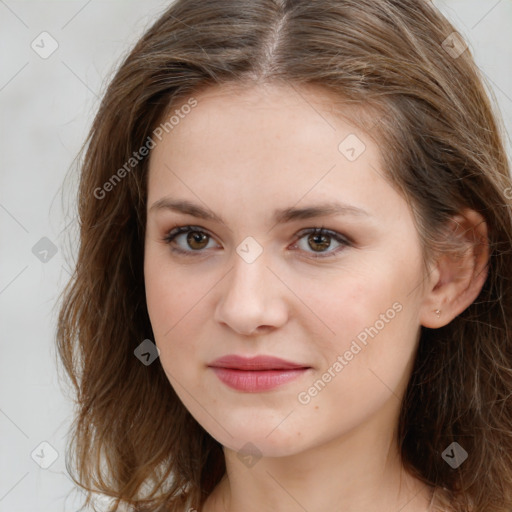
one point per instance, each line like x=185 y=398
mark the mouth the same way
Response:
x=254 y=374
x=257 y=363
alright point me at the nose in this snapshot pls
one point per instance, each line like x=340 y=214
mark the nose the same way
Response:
x=252 y=298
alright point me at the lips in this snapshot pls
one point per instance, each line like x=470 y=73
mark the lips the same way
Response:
x=256 y=363
x=256 y=374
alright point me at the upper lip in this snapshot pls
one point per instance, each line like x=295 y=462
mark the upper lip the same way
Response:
x=255 y=363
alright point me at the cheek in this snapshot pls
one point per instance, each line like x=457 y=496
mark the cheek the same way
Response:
x=376 y=334
x=170 y=292
x=176 y=301
x=348 y=303
x=371 y=318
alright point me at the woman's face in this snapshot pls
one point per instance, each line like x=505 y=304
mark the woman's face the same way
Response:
x=345 y=311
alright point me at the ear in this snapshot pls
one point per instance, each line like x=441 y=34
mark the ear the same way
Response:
x=457 y=277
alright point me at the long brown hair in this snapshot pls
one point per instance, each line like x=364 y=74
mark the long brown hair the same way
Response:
x=442 y=142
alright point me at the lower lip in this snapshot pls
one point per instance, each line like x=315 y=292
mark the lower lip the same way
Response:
x=260 y=380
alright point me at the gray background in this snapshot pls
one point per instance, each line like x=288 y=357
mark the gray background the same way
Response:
x=46 y=108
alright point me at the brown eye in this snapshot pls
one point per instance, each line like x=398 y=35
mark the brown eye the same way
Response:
x=319 y=240
x=196 y=240
x=193 y=243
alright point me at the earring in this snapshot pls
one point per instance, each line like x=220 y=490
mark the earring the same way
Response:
x=438 y=312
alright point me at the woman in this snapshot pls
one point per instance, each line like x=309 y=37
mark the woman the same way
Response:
x=293 y=288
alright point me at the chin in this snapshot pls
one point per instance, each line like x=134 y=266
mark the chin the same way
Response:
x=262 y=438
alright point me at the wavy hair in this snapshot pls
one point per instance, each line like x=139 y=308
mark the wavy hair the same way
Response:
x=398 y=69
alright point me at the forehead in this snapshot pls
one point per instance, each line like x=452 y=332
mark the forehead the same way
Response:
x=272 y=143
x=318 y=107
x=278 y=119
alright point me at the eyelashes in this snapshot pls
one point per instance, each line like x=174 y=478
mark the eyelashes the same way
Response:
x=317 y=236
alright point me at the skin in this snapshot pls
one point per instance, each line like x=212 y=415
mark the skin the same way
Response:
x=242 y=152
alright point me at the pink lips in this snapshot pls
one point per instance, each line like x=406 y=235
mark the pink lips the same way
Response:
x=255 y=374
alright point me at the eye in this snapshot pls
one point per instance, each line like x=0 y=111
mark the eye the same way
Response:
x=320 y=238
x=197 y=239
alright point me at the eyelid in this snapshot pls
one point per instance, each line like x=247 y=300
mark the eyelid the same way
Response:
x=342 y=238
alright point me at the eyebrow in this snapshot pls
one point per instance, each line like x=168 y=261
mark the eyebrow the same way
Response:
x=280 y=216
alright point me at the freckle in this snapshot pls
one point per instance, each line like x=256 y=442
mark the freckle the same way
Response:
x=316 y=406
